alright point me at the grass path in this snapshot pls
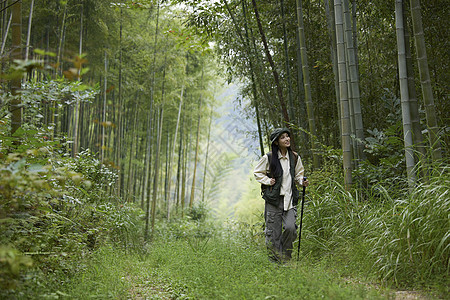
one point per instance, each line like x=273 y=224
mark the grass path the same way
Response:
x=217 y=269
x=150 y=287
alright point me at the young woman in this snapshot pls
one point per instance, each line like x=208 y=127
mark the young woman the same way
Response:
x=278 y=171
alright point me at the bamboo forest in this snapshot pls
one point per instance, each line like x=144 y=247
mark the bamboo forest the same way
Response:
x=136 y=142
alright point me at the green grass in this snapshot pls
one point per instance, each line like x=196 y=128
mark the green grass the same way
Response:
x=402 y=241
x=227 y=264
x=399 y=239
x=224 y=269
x=221 y=269
x=102 y=278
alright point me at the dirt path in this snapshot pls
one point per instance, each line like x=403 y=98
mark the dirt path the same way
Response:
x=410 y=295
x=148 y=288
x=151 y=288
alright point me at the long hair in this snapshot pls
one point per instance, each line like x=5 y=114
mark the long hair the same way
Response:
x=275 y=165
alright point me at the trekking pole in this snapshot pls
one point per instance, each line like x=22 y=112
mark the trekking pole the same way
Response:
x=301 y=220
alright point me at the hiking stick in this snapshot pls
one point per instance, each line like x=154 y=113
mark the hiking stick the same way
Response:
x=301 y=220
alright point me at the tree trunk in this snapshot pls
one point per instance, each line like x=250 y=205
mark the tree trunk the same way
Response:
x=155 y=182
x=130 y=154
x=343 y=95
x=180 y=163
x=163 y=94
x=332 y=31
x=119 y=125
x=288 y=67
x=61 y=38
x=3 y=23
x=5 y=36
x=403 y=78
x=413 y=105
x=30 y=18
x=184 y=171
x=16 y=53
x=307 y=84
x=354 y=80
x=252 y=72
x=246 y=43
x=206 y=157
x=173 y=148
x=166 y=179
x=302 y=116
x=77 y=103
x=427 y=92
x=191 y=201
x=150 y=136
x=355 y=34
x=105 y=87
x=273 y=68
x=149 y=173
x=145 y=194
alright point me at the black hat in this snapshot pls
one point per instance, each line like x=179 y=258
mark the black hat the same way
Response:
x=277 y=132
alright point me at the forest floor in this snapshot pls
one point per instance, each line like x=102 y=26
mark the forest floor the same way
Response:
x=217 y=270
x=223 y=267
x=146 y=288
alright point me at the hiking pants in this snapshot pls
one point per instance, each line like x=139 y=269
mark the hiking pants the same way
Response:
x=280 y=229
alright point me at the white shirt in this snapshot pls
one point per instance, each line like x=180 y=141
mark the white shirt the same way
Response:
x=262 y=168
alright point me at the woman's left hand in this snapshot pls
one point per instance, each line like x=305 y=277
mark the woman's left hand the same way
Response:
x=305 y=183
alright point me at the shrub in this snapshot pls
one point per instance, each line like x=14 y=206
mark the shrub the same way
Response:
x=55 y=210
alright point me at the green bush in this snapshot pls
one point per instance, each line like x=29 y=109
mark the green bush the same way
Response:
x=55 y=210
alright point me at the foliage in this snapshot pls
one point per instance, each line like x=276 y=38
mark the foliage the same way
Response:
x=413 y=242
x=398 y=237
x=97 y=173
x=11 y=263
x=57 y=217
x=197 y=228
x=59 y=90
x=198 y=212
x=54 y=209
x=385 y=159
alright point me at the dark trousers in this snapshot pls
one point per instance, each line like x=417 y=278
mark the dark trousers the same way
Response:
x=281 y=230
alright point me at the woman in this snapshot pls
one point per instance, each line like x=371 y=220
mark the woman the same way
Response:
x=278 y=172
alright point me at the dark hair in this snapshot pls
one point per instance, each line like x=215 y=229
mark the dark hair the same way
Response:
x=275 y=166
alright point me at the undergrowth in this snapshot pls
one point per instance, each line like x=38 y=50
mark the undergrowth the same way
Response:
x=401 y=239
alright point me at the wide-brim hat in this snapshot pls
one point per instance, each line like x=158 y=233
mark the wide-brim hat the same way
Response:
x=277 y=132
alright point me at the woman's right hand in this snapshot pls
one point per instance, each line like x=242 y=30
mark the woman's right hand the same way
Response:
x=272 y=181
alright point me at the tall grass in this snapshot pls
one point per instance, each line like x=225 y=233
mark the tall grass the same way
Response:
x=405 y=240
x=414 y=241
